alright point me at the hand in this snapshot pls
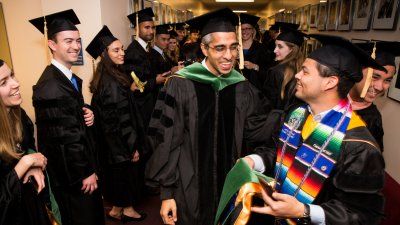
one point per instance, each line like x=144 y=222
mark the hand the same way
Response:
x=134 y=87
x=249 y=65
x=160 y=79
x=89 y=184
x=168 y=206
x=35 y=160
x=89 y=116
x=135 y=156
x=280 y=205
x=38 y=175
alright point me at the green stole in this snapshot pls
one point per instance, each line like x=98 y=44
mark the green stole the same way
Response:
x=197 y=72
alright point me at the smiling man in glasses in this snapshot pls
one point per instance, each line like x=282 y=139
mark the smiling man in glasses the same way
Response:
x=202 y=116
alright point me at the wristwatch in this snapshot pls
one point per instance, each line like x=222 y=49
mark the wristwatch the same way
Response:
x=256 y=67
x=305 y=219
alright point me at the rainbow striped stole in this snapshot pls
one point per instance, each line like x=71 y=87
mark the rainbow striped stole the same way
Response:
x=305 y=166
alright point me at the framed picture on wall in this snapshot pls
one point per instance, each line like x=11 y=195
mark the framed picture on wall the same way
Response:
x=362 y=14
x=322 y=15
x=345 y=15
x=305 y=20
x=333 y=11
x=299 y=14
x=279 y=17
x=394 y=89
x=147 y=4
x=156 y=10
x=313 y=16
x=385 y=14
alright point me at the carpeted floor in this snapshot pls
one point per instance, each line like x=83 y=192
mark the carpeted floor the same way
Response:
x=150 y=205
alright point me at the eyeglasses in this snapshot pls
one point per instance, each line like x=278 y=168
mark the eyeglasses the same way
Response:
x=222 y=48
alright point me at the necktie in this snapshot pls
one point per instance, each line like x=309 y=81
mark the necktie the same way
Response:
x=75 y=83
x=148 y=47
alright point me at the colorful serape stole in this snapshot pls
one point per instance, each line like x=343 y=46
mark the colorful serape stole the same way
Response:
x=302 y=168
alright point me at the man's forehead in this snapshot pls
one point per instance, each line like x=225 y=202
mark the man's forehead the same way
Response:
x=224 y=38
x=68 y=34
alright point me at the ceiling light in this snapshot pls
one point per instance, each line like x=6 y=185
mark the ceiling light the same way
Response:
x=234 y=0
x=323 y=1
x=281 y=10
x=240 y=11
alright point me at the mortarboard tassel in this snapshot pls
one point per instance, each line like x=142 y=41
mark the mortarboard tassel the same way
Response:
x=137 y=27
x=241 y=56
x=93 y=66
x=46 y=41
x=369 y=75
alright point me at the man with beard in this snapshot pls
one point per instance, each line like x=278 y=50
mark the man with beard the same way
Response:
x=202 y=116
x=328 y=170
x=365 y=107
x=138 y=59
x=63 y=125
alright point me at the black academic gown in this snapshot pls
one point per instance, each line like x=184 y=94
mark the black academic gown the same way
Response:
x=373 y=118
x=139 y=61
x=159 y=63
x=19 y=203
x=197 y=135
x=119 y=135
x=352 y=193
x=259 y=55
x=273 y=86
x=68 y=144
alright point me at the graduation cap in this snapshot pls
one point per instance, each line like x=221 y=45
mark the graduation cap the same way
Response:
x=179 y=26
x=282 y=26
x=292 y=36
x=222 y=20
x=249 y=19
x=100 y=42
x=141 y=16
x=386 y=51
x=163 y=29
x=173 y=34
x=342 y=56
x=56 y=22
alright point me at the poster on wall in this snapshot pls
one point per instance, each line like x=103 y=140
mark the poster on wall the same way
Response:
x=333 y=9
x=345 y=15
x=313 y=16
x=394 y=89
x=322 y=15
x=362 y=14
x=305 y=18
x=385 y=14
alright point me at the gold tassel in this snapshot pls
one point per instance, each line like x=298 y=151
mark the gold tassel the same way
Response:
x=241 y=56
x=93 y=66
x=46 y=42
x=369 y=75
x=137 y=27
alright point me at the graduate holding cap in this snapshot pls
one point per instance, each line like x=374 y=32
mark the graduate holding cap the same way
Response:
x=64 y=124
x=203 y=114
x=119 y=130
x=257 y=59
x=385 y=54
x=329 y=170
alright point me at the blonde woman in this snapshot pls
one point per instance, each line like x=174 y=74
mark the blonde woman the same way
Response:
x=21 y=175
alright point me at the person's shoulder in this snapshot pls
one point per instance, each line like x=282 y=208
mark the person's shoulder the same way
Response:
x=359 y=140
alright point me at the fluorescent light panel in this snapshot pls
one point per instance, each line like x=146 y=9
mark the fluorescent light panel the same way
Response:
x=239 y=11
x=234 y=0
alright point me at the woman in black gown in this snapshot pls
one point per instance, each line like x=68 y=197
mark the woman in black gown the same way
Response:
x=279 y=86
x=118 y=133
x=21 y=174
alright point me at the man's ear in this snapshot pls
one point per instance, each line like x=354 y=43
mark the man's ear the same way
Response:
x=204 y=49
x=52 y=45
x=331 y=82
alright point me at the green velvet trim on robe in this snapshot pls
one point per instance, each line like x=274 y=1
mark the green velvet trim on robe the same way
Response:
x=199 y=73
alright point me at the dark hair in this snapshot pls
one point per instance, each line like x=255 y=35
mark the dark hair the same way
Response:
x=344 y=85
x=1 y=62
x=107 y=67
